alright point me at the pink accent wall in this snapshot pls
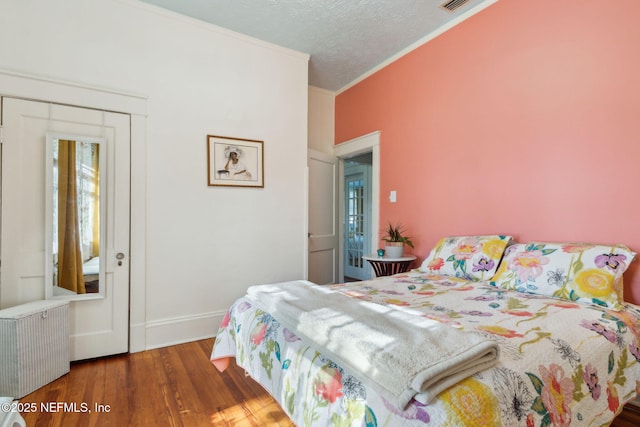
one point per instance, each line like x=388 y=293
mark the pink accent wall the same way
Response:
x=522 y=120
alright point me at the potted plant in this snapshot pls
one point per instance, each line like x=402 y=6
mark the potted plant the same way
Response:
x=395 y=240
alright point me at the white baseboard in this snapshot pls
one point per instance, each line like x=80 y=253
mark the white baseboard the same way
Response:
x=137 y=337
x=178 y=330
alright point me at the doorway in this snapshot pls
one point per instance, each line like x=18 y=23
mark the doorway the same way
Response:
x=363 y=147
x=99 y=320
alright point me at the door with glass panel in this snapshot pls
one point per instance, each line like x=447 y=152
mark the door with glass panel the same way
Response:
x=357 y=214
x=65 y=217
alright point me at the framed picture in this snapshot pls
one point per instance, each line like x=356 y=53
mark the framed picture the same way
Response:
x=235 y=162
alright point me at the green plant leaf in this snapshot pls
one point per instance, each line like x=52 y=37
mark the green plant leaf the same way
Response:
x=277 y=349
x=395 y=233
x=612 y=363
x=538 y=406
x=370 y=418
x=577 y=266
x=537 y=382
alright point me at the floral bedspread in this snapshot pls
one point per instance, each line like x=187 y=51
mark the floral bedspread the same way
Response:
x=561 y=363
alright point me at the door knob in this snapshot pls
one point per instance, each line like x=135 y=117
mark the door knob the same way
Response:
x=119 y=257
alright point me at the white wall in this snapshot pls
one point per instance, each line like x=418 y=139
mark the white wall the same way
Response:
x=204 y=245
x=321 y=119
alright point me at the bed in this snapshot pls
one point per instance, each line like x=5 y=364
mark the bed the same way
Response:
x=91 y=273
x=567 y=343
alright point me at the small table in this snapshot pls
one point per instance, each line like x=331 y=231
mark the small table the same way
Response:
x=384 y=266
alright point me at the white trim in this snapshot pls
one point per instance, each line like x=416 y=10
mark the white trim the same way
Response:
x=138 y=218
x=457 y=20
x=41 y=88
x=305 y=260
x=182 y=329
x=362 y=144
x=44 y=89
x=358 y=145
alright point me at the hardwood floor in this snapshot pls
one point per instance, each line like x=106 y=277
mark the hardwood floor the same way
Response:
x=630 y=417
x=172 y=386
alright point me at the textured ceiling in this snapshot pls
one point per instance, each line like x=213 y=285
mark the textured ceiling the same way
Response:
x=345 y=38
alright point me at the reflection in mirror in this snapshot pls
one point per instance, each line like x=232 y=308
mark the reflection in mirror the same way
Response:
x=75 y=214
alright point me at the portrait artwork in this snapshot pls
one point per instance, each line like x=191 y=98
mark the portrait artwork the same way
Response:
x=235 y=162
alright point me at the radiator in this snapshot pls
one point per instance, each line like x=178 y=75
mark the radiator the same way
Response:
x=34 y=346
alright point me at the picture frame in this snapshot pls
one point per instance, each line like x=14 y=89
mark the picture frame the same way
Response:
x=235 y=162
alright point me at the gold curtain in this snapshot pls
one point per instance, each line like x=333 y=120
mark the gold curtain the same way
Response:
x=69 y=253
x=95 y=164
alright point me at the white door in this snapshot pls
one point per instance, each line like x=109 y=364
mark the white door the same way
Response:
x=323 y=230
x=357 y=216
x=99 y=320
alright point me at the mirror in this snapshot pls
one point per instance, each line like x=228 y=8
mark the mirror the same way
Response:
x=75 y=213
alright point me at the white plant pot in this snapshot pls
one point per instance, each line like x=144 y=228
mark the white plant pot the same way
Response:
x=394 y=251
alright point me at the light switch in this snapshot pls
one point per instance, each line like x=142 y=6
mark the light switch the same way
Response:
x=392 y=196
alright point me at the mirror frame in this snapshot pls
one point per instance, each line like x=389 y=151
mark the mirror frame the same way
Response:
x=52 y=137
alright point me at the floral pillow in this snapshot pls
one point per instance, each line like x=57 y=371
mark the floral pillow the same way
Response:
x=468 y=257
x=581 y=272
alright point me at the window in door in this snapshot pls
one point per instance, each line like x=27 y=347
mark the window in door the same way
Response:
x=355 y=222
x=357 y=214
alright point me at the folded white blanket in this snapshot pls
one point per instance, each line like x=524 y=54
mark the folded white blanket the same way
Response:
x=400 y=354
